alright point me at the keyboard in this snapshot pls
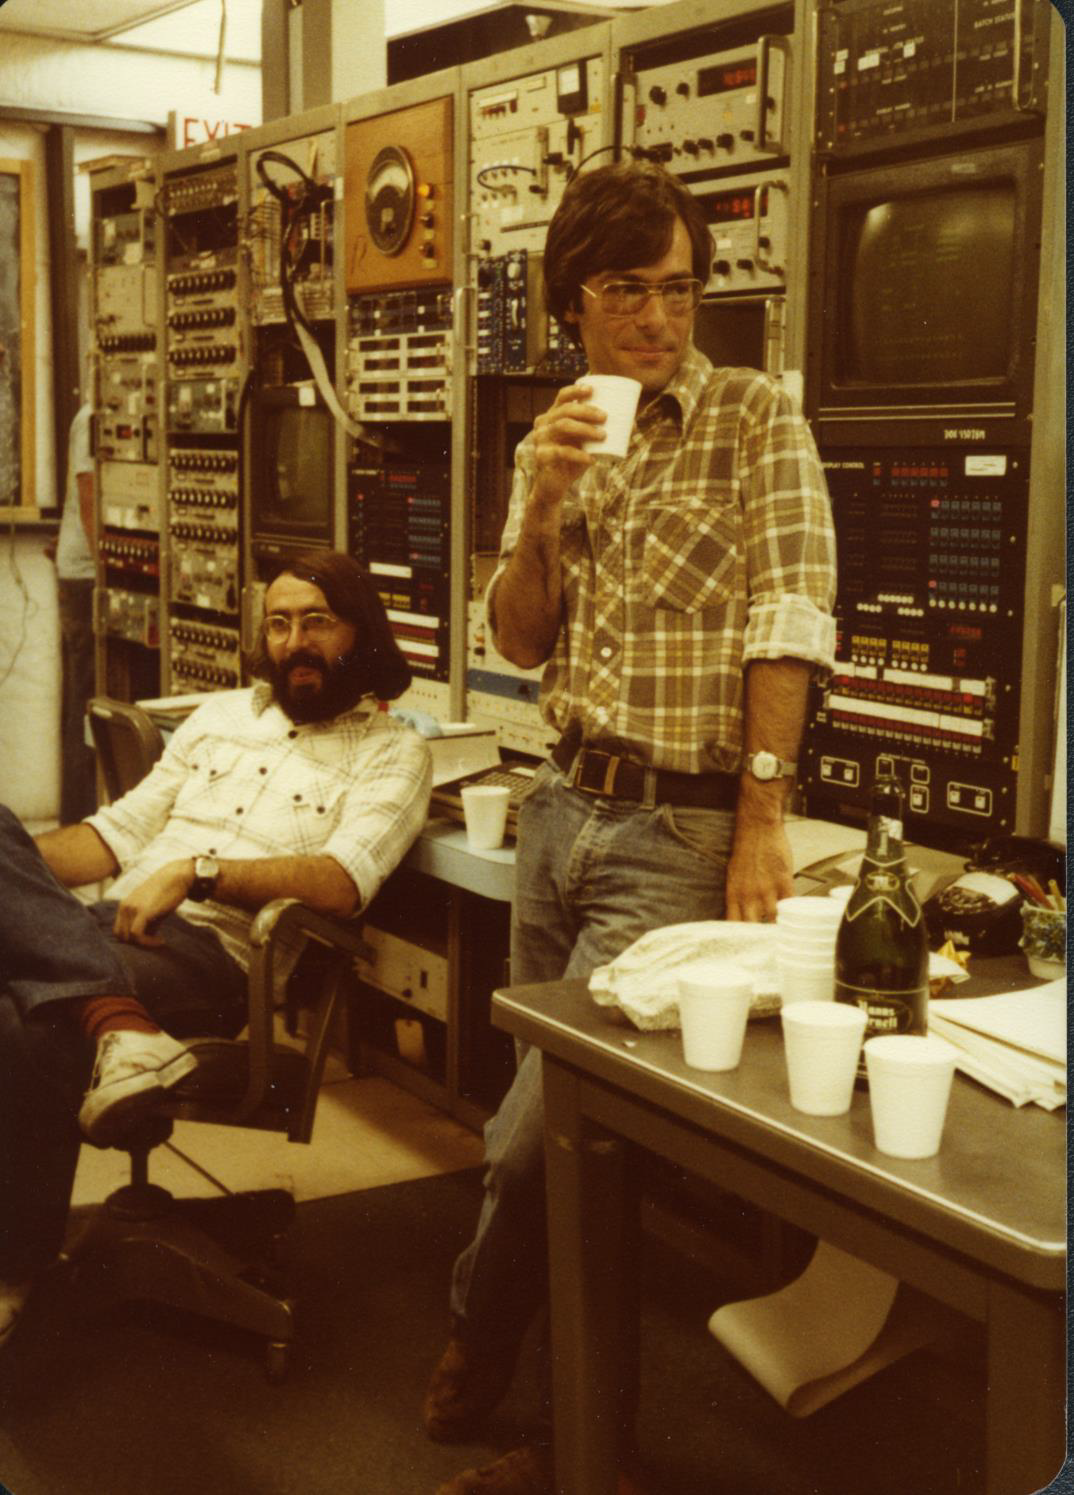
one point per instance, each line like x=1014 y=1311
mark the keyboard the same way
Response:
x=447 y=798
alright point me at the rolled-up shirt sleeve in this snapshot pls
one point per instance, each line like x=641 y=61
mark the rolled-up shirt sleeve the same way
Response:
x=789 y=536
x=384 y=811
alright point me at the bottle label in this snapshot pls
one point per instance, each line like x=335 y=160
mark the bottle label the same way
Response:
x=885 y=1011
x=884 y=882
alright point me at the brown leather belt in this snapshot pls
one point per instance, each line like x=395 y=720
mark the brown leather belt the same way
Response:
x=595 y=771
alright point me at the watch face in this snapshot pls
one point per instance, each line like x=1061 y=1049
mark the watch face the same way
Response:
x=764 y=765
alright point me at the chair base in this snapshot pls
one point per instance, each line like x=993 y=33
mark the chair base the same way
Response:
x=144 y=1244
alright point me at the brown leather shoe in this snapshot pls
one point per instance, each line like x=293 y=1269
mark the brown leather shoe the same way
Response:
x=468 y=1383
x=523 y=1471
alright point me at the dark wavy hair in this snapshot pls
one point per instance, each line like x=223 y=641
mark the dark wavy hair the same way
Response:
x=617 y=217
x=350 y=593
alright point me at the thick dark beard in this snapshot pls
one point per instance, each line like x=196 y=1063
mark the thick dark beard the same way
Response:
x=343 y=684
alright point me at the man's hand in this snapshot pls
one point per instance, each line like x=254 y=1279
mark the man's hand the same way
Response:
x=559 y=436
x=760 y=871
x=160 y=894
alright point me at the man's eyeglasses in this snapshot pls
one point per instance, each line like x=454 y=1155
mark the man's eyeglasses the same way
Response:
x=277 y=626
x=625 y=298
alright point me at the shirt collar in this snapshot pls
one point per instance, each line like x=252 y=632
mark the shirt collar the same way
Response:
x=263 y=698
x=680 y=396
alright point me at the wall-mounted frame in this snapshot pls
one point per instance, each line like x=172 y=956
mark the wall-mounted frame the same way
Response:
x=17 y=353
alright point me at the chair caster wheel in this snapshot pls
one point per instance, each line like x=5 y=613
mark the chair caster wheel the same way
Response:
x=277 y=1359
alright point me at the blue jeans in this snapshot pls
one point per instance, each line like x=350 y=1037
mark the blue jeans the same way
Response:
x=54 y=949
x=592 y=875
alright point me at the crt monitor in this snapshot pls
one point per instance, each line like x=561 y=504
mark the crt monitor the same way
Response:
x=292 y=446
x=929 y=284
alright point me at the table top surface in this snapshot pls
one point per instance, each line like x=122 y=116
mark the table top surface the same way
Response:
x=995 y=1191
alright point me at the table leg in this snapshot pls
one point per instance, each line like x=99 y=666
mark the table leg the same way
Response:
x=1026 y=1395
x=593 y=1267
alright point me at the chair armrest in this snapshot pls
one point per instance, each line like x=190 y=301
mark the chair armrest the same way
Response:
x=287 y=923
x=286 y=918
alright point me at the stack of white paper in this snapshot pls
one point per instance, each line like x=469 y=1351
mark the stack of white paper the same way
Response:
x=1016 y=1044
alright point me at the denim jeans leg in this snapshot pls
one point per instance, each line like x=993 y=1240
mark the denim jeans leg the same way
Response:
x=591 y=877
x=53 y=948
x=50 y=943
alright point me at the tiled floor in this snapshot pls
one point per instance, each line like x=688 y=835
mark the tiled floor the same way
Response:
x=367 y=1132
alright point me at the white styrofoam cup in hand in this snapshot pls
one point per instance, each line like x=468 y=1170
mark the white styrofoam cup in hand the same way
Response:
x=618 y=398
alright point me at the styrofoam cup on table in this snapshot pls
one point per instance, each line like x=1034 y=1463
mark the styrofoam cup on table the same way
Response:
x=841 y=893
x=714 y=1006
x=618 y=397
x=484 y=807
x=909 y=1086
x=821 y=1043
x=805 y=981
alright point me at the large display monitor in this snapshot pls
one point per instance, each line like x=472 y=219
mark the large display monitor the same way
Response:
x=926 y=296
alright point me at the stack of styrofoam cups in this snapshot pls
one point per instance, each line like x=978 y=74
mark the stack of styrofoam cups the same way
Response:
x=805 y=948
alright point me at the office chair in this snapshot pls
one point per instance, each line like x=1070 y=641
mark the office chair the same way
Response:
x=219 y=1257
x=127 y=742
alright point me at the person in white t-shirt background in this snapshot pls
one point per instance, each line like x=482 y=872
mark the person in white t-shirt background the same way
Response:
x=75 y=571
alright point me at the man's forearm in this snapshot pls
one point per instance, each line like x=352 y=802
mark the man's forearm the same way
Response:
x=319 y=881
x=75 y=854
x=760 y=871
x=528 y=600
x=777 y=691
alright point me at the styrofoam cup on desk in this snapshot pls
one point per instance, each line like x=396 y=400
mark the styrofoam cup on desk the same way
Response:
x=714 y=1007
x=618 y=397
x=909 y=1087
x=822 y=1041
x=485 y=809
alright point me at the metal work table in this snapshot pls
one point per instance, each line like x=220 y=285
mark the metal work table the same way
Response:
x=981 y=1227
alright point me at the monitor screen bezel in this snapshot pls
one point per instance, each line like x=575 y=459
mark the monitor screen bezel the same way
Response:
x=1005 y=395
x=266 y=523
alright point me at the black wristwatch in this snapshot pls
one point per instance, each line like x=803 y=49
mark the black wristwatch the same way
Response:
x=206 y=872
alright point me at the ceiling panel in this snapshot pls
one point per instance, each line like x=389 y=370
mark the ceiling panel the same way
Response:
x=182 y=27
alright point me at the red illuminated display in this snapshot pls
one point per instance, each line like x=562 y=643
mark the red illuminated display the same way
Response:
x=727 y=77
x=730 y=207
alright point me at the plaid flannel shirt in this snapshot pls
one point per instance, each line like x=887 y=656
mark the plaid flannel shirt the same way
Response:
x=708 y=546
x=239 y=779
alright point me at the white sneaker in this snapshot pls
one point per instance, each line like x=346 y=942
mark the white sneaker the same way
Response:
x=131 y=1072
x=13 y=1297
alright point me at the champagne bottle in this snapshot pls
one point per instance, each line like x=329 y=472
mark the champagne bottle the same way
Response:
x=881 y=949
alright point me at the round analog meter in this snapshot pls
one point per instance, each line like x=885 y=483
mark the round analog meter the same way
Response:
x=389 y=199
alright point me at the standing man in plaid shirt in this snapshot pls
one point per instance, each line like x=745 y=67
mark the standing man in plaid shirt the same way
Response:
x=679 y=600
x=297 y=788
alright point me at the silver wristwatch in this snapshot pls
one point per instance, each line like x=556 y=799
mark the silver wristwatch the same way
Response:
x=766 y=766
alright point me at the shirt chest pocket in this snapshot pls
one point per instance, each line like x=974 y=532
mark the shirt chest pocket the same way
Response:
x=310 y=794
x=217 y=774
x=689 y=556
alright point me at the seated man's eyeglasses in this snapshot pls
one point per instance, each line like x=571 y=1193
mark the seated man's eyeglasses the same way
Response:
x=277 y=626
x=625 y=298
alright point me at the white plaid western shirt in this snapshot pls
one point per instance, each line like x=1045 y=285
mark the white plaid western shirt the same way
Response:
x=239 y=779
x=708 y=546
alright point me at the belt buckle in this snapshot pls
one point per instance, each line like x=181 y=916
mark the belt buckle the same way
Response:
x=611 y=769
